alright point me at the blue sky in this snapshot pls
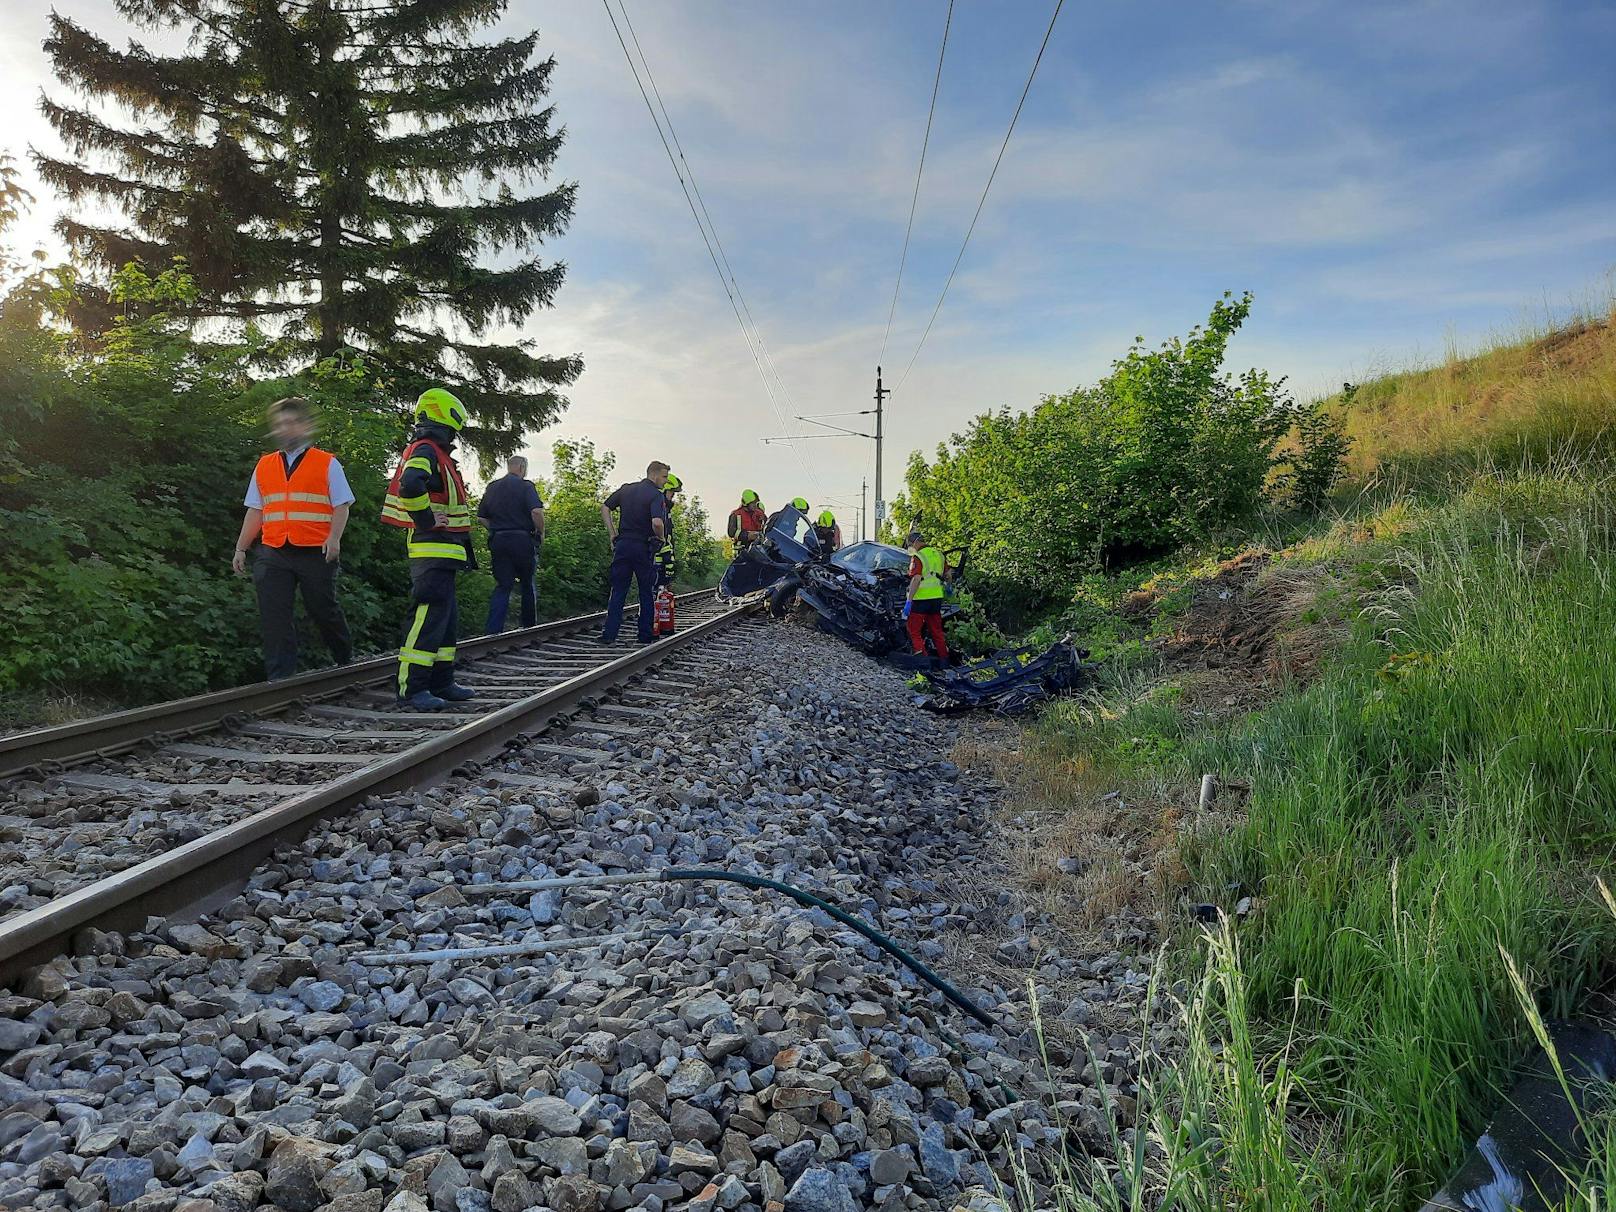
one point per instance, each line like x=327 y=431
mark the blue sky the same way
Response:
x=1386 y=178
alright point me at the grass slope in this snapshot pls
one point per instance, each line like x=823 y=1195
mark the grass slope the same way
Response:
x=1424 y=783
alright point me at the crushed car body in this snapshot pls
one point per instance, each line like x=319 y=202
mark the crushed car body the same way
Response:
x=858 y=591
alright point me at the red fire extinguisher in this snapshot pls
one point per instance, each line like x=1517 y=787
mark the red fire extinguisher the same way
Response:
x=662 y=619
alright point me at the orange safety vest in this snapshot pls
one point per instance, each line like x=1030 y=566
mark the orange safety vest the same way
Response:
x=297 y=507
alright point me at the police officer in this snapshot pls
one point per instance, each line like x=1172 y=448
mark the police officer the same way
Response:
x=427 y=497
x=297 y=508
x=635 y=536
x=514 y=515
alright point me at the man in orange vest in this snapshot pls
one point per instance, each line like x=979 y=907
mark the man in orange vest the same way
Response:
x=297 y=508
x=427 y=497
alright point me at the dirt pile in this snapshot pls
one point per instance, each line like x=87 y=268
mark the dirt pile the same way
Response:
x=1247 y=629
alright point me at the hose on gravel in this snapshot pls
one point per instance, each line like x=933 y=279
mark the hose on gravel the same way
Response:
x=758 y=882
x=809 y=900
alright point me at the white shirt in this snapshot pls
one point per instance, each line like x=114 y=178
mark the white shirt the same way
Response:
x=336 y=484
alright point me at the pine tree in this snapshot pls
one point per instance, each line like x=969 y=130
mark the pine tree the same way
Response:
x=342 y=173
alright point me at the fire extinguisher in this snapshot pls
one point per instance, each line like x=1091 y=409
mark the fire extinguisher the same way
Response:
x=662 y=619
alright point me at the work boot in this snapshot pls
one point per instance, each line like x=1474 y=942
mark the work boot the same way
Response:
x=456 y=693
x=423 y=700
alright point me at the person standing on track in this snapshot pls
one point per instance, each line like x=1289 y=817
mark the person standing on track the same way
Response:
x=297 y=508
x=666 y=557
x=427 y=497
x=514 y=515
x=635 y=538
x=923 y=611
x=746 y=521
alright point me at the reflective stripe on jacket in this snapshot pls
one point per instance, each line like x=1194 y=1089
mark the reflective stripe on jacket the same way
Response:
x=297 y=508
x=931 y=574
x=448 y=497
x=746 y=518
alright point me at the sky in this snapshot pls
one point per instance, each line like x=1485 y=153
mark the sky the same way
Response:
x=1390 y=180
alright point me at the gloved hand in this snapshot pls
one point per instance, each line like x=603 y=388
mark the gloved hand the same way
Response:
x=907 y=607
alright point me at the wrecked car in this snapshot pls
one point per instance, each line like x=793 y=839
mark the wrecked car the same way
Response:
x=858 y=591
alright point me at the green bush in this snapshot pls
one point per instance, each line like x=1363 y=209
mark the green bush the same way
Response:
x=1164 y=451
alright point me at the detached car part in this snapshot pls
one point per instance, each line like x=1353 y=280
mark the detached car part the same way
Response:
x=1011 y=680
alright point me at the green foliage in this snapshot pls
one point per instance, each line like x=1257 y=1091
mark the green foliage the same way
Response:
x=572 y=569
x=1318 y=459
x=123 y=463
x=1166 y=450
x=349 y=176
x=1436 y=800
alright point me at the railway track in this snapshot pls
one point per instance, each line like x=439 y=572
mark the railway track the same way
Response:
x=106 y=821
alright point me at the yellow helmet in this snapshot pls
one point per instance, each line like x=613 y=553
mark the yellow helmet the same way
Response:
x=748 y=497
x=827 y=518
x=800 y=504
x=442 y=407
x=672 y=484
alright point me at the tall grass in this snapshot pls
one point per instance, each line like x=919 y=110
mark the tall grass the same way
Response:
x=1521 y=401
x=1436 y=799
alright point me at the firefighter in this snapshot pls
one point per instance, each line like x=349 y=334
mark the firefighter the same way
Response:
x=923 y=609
x=297 y=508
x=427 y=497
x=828 y=532
x=746 y=522
x=800 y=504
x=665 y=557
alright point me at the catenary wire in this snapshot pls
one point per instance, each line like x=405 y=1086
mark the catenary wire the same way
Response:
x=914 y=198
x=701 y=202
x=1027 y=88
x=709 y=235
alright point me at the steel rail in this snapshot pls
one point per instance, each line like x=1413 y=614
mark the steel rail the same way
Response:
x=189 y=873
x=121 y=730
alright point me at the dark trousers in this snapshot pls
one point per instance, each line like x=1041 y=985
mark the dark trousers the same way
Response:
x=631 y=558
x=426 y=660
x=926 y=619
x=515 y=562
x=278 y=573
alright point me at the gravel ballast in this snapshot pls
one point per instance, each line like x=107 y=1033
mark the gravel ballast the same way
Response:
x=741 y=1053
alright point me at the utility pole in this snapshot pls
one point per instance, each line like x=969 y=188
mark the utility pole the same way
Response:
x=881 y=393
x=864 y=505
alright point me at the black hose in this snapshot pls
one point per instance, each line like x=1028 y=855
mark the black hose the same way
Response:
x=809 y=900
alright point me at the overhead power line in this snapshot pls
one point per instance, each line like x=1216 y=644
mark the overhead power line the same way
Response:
x=773 y=383
x=1027 y=88
x=914 y=198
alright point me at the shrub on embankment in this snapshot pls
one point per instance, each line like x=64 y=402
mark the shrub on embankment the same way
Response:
x=1165 y=450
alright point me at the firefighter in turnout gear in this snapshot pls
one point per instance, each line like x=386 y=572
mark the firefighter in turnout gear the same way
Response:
x=427 y=497
x=828 y=532
x=746 y=522
x=666 y=559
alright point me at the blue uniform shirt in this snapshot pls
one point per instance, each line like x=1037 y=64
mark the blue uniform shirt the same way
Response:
x=636 y=505
x=508 y=504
